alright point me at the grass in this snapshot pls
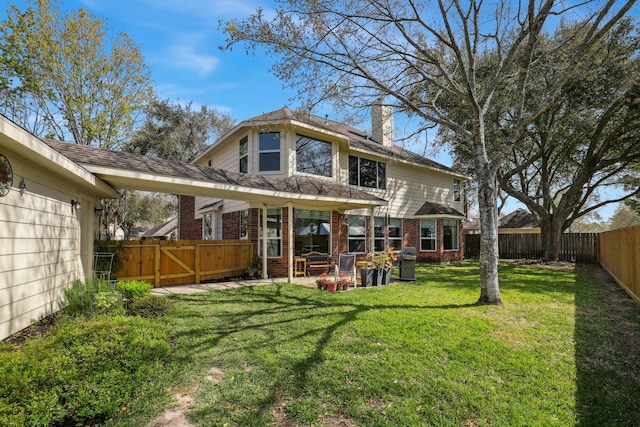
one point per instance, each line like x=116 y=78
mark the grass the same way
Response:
x=562 y=351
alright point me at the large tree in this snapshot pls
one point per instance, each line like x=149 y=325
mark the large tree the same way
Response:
x=415 y=54
x=575 y=156
x=63 y=75
x=178 y=132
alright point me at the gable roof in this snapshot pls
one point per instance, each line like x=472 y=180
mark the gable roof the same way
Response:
x=357 y=139
x=162 y=230
x=16 y=140
x=136 y=172
x=519 y=218
x=435 y=209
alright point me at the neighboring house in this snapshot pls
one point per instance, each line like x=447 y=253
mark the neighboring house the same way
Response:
x=420 y=202
x=161 y=232
x=518 y=221
x=46 y=236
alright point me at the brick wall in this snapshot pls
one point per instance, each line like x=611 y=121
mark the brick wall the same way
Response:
x=189 y=228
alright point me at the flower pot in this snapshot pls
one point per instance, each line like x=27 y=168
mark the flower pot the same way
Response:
x=320 y=285
x=386 y=276
x=331 y=287
x=345 y=286
x=367 y=277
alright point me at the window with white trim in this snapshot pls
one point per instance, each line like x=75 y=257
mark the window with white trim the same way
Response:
x=244 y=225
x=207 y=226
x=313 y=156
x=427 y=234
x=357 y=234
x=244 y=155
x=269 y=151
x=450 y=234
x=367 y=173
x=379 y=234
x=274 y=233
x=395 y=233
x=456 y=190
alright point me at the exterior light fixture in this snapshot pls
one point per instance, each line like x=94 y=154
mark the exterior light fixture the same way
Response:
x=22 y=187
x=75 y=204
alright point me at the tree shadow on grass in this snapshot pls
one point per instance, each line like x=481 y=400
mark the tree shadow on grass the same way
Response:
x=607 y=343
x=306 y=316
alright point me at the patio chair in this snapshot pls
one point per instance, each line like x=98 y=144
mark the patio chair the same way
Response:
x=347 y=266
x=102 y=264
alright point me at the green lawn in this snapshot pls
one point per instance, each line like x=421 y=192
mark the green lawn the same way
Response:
x=563 y=350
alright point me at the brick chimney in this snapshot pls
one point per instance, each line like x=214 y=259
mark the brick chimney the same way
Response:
x=382 y=124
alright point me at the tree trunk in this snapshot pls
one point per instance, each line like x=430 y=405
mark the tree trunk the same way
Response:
x=551 y=237
x=487 y=203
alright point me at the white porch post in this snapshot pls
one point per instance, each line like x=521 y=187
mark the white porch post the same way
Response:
x=290 y=239
x=265 y=275
x=372 y=236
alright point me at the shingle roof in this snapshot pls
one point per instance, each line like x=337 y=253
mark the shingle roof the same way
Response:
x=86 y=155
x=519 y=218
x=358 y=139
x=429 y=208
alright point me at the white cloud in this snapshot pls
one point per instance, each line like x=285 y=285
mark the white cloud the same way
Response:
x=186 y=57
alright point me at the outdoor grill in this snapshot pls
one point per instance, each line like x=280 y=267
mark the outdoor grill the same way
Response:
x=407 y=264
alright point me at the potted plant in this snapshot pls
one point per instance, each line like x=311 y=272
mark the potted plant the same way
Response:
x=343 y=282
x=332 y=286
x=323 y=281
x=382 y=263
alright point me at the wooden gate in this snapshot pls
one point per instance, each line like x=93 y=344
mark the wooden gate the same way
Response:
x=168 y=262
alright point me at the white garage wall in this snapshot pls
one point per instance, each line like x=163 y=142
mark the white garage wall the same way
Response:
x=40 y=244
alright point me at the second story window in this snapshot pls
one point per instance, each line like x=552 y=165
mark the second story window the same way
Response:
x=456 y=190
x=367 y=173
x=269 y=151
x=244 y=155
x=313 y=156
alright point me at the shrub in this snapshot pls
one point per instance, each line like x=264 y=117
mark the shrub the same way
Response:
x=82 y=373
x=134 y=290
x=150 y=307
x=81 y=299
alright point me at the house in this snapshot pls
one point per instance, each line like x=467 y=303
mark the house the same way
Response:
x=161 y=232
x=413 y=201
x=518 y=221
x=47 y=226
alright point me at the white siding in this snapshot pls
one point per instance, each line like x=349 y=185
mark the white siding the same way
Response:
x=408 y=187
x=43 y=247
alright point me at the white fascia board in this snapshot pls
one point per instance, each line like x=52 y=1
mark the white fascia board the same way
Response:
x=136 y=180
x=439 y=216
x=26 y=145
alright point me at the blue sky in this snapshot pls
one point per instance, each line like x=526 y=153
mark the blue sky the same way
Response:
x=180 y=40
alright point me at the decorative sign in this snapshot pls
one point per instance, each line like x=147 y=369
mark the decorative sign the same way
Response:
x=6 y=176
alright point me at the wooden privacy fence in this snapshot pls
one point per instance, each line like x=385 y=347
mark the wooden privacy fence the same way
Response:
x=581 y=247
x=620 y=256
x=167 y=262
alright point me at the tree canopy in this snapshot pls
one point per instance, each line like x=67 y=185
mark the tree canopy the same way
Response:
x=573 y=155
x=64 y=76
x=416 y=55
x=178 y=132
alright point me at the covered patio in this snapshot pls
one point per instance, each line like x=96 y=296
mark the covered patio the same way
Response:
x=134 y=172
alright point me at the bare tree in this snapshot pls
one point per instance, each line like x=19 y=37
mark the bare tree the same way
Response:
x=418 y=54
